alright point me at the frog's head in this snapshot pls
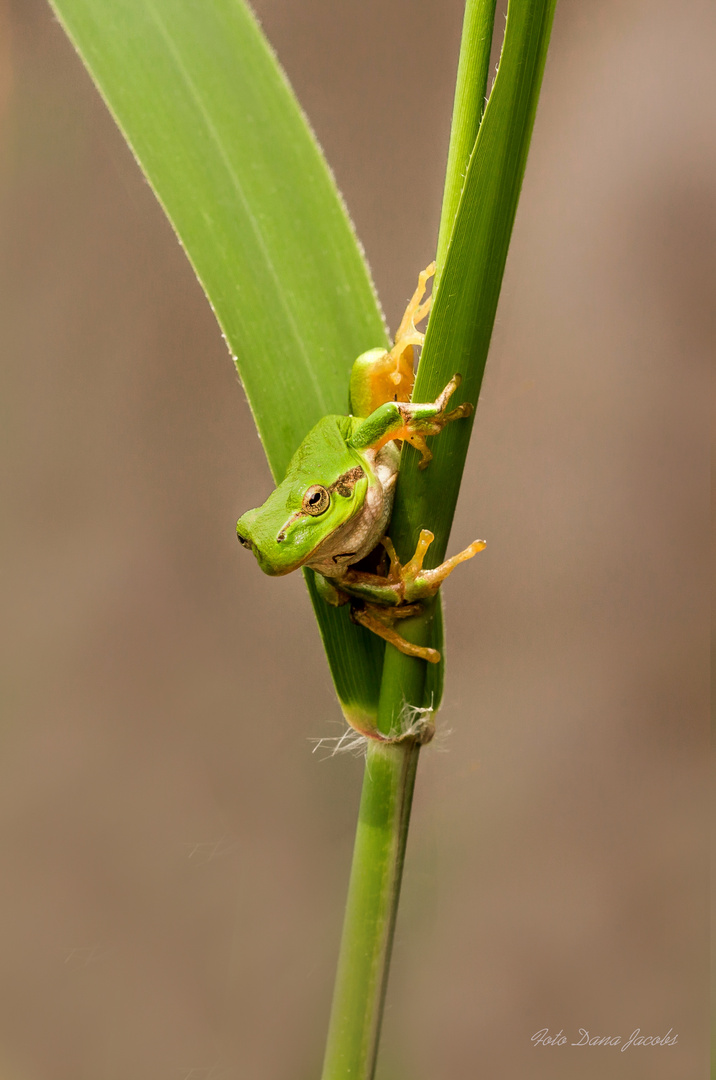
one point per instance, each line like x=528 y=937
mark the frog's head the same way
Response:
x=323 y=489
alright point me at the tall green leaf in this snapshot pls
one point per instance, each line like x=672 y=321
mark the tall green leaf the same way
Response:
x=213 y=123
x=463 y=315
x=470 y=98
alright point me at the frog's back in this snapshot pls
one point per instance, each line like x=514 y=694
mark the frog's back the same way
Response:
x=324 y=453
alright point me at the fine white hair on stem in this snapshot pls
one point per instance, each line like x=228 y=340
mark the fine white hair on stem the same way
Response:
x=414 y=722
x=350 y=742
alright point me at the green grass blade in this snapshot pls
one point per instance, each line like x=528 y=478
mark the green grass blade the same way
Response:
x=470 y=88
x=463 y=315
x=212 y=121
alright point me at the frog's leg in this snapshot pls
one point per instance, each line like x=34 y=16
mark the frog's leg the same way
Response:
x=395 y=596
x=404 y=587
x=410 y=421
x=376 y=618
x=406 y=584
x=380 y=620
x=378 y=376
x=329 y=591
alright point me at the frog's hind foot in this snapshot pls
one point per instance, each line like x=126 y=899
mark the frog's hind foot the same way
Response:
x=400 y=358
x=415 y=312
x=379 y=620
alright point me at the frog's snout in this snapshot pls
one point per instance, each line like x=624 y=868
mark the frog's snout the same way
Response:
x=244 y=533
x=245 y=536
x=243 y=540
x=273 y=557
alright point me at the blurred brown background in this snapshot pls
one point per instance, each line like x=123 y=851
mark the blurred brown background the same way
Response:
x=174 y=857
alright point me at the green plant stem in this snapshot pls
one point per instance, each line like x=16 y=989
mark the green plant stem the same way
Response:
x=470 y=88
x=373 y=893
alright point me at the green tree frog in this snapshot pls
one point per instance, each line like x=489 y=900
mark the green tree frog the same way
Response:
x=332 y=509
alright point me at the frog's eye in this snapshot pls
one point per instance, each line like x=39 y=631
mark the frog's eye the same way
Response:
x=316 y=500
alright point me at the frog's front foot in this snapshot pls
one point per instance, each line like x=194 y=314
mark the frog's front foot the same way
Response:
x=417 y=583
x=420 y=426
x=397 y=595
x=410 y=421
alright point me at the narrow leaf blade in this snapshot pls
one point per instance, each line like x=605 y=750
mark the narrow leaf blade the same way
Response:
x=463 y=315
